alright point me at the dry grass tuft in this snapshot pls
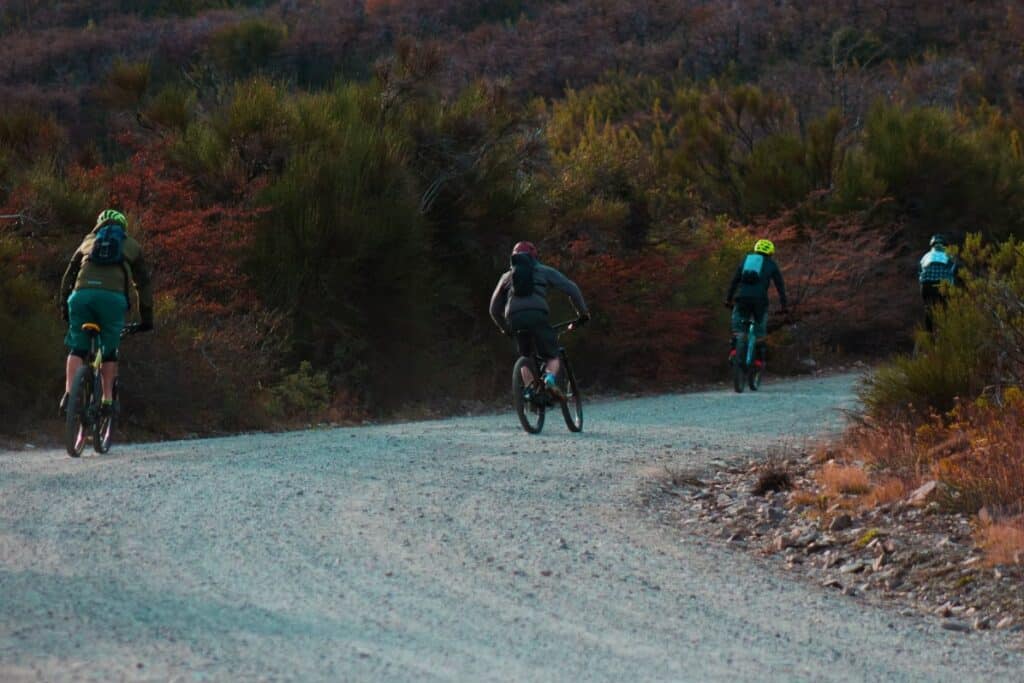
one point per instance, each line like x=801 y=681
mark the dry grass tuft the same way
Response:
x=844 y=479
x=1002 y=542
x=886 y=491
x=772 y=478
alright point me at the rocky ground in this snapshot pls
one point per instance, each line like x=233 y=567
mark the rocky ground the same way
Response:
x=908 y=555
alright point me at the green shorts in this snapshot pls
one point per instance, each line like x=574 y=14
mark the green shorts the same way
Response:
x=740 y=317
x=104 y=307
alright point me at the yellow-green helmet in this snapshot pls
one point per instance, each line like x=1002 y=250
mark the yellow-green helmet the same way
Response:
x=112 y=216
x=764 y=247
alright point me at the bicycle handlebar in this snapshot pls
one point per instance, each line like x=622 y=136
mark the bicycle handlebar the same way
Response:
x=568 y=325
x=132 y=328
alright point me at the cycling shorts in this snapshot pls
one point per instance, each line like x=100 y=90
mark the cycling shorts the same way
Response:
x=534 y=334
x=104 y=307
x=740 y=315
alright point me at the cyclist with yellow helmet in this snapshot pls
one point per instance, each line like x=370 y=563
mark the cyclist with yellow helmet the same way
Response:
x=748 y=294
x=95 y=289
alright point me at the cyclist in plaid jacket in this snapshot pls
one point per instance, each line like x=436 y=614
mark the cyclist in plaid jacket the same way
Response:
x=936 y=267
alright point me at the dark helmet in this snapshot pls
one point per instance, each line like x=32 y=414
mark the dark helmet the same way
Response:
x=937 y=241
x=525 y=248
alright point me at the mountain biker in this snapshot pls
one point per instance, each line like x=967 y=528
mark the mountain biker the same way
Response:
x=750 y=289
x=936 y=267
x=95 y=289
x=519 y=307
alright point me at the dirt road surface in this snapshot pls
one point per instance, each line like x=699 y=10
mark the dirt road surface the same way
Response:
x=459 y=549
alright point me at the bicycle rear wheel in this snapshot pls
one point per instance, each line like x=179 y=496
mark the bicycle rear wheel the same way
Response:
x=78 y=419
x=530 y=413
x=754 y=380
x=739 y=372
x=572 y=408
x=104 y=432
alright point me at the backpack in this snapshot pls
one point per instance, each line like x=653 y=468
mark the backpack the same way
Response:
x=108 y=247
x=523 y=266
x=752 y=266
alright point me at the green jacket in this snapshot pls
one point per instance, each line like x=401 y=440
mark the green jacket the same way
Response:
x=82 y=274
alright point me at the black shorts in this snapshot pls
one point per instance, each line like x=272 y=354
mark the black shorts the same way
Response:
x=534 y=334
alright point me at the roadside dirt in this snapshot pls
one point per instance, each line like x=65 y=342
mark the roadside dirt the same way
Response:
x=448 y=550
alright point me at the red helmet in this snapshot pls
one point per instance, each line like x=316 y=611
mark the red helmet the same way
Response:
x=525 y=248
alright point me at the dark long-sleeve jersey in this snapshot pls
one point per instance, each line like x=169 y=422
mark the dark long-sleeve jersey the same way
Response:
x=757 y=291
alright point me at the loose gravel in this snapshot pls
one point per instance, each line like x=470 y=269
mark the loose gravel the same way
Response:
x=459 y=549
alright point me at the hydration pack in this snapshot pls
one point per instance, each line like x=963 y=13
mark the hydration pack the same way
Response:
x=751 y=272
x=108 y=247
x=523 y=266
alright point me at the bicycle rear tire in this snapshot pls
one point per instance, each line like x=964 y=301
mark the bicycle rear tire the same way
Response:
x=76 y=421
x=572 y=408
x=531 y=415
x=103 y=434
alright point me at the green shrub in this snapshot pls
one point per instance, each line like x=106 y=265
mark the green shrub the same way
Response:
x=302 y=394
x=248 y=46
x=126 y=84
x=70 y=199
x=30 y=348
x=944 y=171
x=172 y=107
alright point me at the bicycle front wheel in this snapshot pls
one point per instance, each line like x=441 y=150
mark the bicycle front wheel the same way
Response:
x=572 y=408
x=78 y=419
x=529 y=410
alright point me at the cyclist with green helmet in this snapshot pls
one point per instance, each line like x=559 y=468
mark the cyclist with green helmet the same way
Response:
x=748 y=294
x=95 y=289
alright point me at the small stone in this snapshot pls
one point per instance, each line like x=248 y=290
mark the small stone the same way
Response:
x=1005 y=622
x=955 y=625
x=852 y=568
x=841 y=523
x=981 y=624
x=944 y=610
x=832 y=583
x=922 y=494
x=877 y=564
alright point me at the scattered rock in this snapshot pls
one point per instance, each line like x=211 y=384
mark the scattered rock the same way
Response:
x=1005 y=622
x=841 y=523
x=854 y=567
x=956 y=625
x=923 y=494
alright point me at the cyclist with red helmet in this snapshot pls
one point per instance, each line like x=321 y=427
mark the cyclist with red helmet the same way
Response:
x=750 y=288
x=519 y=307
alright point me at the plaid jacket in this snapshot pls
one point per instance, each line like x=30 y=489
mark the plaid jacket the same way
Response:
x=937 y=266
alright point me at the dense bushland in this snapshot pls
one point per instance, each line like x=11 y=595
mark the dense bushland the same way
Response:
x=328 y=191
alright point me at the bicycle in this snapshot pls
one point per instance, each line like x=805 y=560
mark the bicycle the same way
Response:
x=85 y=416
x=531 y=402
x=745 y=371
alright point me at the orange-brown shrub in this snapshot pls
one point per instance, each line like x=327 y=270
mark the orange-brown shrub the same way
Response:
x=1003 y=542
x=839 y=479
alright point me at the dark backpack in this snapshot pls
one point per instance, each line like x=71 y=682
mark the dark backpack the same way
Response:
x=108 y=247
x=523 y=266
x=752 y=267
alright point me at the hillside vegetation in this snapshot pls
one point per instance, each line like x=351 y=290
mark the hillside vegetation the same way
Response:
x=329 y=191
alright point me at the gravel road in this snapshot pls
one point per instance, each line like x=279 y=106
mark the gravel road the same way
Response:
x=459 y=549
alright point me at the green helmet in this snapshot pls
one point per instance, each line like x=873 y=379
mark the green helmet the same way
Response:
x=112 y=216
